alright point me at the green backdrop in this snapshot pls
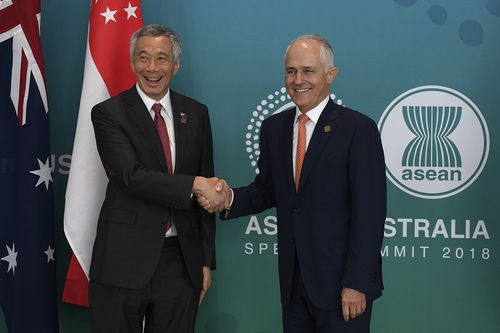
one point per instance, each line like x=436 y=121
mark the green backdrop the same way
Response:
x=232 y=61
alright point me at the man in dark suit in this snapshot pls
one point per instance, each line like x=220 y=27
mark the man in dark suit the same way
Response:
x=322 y=166
x=154 y=249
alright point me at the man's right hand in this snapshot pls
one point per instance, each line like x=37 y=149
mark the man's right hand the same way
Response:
x=223 y=188
x=211 y=193
x=212 y=203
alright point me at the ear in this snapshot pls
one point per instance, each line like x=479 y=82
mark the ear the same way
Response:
x=332 y=74
x=177 y=65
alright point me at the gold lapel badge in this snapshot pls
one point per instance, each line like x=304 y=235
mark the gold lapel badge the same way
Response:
x=327 y=128
x=184 y=118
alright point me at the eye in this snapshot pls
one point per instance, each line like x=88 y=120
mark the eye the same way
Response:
x=143 y=58
x=290 y=72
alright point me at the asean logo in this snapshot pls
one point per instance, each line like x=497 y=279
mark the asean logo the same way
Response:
x=274 y=103
x=436 y=142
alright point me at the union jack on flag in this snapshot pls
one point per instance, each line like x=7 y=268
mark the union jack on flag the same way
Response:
x=27 y=266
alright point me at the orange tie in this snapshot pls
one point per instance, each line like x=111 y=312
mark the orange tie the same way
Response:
x=301 y=148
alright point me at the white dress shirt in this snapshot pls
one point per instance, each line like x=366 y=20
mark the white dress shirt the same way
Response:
x=168 y=116
x=313 y=115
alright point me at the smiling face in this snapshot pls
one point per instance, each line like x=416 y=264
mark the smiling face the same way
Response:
x=154 y=65
x=306 y=78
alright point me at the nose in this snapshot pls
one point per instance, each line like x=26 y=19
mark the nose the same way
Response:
x=298 y=79
x=151 y=66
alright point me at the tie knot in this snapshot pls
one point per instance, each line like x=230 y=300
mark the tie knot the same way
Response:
x=303 y=118
x=156 y=108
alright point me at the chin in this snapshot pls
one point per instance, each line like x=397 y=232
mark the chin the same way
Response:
x=301 y=105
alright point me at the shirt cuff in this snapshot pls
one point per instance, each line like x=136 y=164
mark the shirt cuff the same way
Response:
x=232 y=198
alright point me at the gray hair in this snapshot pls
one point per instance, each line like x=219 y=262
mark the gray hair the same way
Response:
x=325 y=53
x=155 y=30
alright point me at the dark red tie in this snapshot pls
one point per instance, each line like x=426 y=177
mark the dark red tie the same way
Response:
x=165 y=142
x=163 y=133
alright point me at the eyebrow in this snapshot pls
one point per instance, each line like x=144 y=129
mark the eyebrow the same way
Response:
x=144 y=51
x=303 y=67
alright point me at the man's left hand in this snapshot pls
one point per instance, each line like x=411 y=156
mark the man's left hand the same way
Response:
x=207 y=281
x=353 y=303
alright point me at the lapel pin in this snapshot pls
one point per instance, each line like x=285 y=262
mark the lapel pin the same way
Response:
x=327 y=128
x=184 y=118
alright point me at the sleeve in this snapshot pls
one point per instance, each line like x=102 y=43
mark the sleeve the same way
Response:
x=207 y=220
x=368 y=208
x=259 y=195
x=124 y=169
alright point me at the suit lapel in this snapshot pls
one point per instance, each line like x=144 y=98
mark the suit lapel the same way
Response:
x=323 y=131
x=287 y=144
x=181 y=129
x=142 y=119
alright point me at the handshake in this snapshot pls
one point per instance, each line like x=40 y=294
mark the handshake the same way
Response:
x=213 y=194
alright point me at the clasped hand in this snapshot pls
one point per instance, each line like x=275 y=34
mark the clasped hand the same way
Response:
x=213 y=194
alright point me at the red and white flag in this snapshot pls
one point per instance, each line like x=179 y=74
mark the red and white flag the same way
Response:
x=107 y=73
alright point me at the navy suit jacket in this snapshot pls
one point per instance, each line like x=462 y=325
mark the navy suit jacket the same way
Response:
x=334 y=223
x=141 y=194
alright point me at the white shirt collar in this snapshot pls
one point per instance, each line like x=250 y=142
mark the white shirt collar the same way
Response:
x=315 y=112
x=148 y=101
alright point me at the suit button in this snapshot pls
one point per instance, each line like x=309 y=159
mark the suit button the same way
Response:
x=297 y=210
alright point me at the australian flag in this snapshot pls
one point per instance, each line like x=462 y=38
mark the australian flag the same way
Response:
x=27 y=257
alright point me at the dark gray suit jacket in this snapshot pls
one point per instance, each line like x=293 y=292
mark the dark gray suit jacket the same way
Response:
x=140 y=194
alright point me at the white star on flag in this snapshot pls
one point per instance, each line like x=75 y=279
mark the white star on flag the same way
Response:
x=11 y=258
x=50 y=254
x=130 y=11
x=109 y=15
x=5 y=3
x=44 y=173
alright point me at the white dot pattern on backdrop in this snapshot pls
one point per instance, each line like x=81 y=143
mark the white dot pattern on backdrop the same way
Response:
x=275 y=102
